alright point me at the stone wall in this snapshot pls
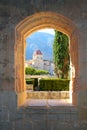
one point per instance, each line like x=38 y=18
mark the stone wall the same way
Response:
x=12 y=12
x=48 y=95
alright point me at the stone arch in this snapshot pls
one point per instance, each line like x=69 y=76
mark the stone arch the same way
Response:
x=33 y=23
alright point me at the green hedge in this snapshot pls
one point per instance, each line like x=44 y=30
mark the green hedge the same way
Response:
x=29 y=81
x=32 y=71
x=54 y=85
x=33 y=81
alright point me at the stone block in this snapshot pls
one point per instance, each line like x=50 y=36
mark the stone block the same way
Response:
x=5 y=126
x=4 y=114
x=83 y=114
x=8 y=100
x=29 y=87
x=40 y=125
x=48 y=95
x=23 y=125
x=82 y=99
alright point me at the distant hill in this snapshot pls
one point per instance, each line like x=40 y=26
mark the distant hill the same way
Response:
x=42 y=41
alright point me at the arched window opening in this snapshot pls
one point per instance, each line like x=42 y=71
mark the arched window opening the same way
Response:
x=30 y=25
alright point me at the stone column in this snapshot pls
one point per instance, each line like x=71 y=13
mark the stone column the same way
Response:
x=19 y=72
x=74 y=68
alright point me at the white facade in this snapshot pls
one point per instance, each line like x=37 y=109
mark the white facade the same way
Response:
x=39 y=63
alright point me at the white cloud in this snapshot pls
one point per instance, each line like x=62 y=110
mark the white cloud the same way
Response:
x=47 y=30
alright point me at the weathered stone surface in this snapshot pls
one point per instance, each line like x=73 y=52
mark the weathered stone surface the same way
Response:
x=8 y=99
x=82 y=99
x=47 y=95
x=12 y=45
x=5 y=126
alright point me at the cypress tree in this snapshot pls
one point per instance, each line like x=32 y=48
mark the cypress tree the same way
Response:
x=61 y=54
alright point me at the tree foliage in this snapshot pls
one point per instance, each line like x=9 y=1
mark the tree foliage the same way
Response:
x=32 y=71
x=61 y=54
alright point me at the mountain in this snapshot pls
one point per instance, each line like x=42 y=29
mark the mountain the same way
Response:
x=42 y=41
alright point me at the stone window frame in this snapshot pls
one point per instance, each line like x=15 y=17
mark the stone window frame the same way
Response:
x=36 y=22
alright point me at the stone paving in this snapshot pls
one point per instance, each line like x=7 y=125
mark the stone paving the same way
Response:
x=51 y=118
x=47 y=102
x=43 y=115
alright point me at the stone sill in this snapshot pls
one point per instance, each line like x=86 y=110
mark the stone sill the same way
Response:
x=48 y=94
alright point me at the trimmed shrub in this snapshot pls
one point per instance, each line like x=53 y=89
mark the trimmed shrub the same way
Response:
x=33 y=81
x=32 y=71
x=54 y=85
x=41 y=72
x=29 y=81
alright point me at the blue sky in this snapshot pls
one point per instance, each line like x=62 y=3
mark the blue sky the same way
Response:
x=47 y=30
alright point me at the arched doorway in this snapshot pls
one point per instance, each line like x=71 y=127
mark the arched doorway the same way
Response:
x=32 y=24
